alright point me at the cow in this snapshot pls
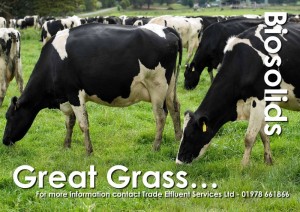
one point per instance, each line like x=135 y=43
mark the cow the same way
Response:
x=210 y=50
x=188 y=28
x=208 y=20
x=238 y=92
x=83 y=21
x=50 y=28
x=134 y=20
x=32 y=21
x=2 y=22
x=10 y=60
x=109 y=20
x=21 y=23
x=12 y=23
x=42 y=20
x=66 y=77
x=142 y=21
x=125 y=20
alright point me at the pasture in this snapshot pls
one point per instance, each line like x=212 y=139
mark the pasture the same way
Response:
x=124 y=136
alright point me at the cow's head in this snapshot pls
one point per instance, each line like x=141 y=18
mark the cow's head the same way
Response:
x=19 y=120
x=196 y=135
x=191 y=77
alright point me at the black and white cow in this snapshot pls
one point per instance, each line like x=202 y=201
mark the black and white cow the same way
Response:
x=109 y=20
x=43 y=19
x=189 y=30
x=134 y=20
x=66 y=77
x=31 y=21
x=125 y=20
x=21 y=23
x=210 y=50
x=142 y=21
x=10 y=61
x=238 y=91
x=50 y=28
x=12 y=23
x=2 y=22
x=208 y=20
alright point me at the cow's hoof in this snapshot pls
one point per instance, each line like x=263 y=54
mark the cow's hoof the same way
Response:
x=269 y=161
x=156 y=147
x=67 y=144
x=245 y=164
x=89 y=151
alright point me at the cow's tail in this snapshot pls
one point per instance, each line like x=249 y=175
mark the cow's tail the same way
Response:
x=177 y=69
x=179 y=51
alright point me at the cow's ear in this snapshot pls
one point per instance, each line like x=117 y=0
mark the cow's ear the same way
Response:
x=14 y=102
x=191 y=114
x=203 y=124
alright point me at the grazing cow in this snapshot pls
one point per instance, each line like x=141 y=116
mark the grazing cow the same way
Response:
x=10 y=61
x=66 y=77
x=134 y=20
x=42 y=20
x=125 y=20
x=32 y=21
x=109 y=20
x=210 y=50
x=208 y=20
x=21 y=23
x=238 y=91
x=2 y=22
x=83 y=21
x=142 y=21
x=189 y=30
x=112 y=20
x=12 y=23
x=50 y=28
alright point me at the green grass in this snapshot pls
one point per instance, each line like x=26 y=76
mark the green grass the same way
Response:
x=124 y=136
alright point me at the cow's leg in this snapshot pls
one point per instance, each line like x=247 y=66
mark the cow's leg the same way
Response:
x=174 y=108
x=267 y=150
x=158 y=95
x=82 y=116
x=160 y=118
x=18 y=74
x=190 y=52
x=3 y=80
x=254 y=126
x=70 y=122
x=211 y=75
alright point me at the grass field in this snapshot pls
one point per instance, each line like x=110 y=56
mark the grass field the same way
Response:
x=124 y=136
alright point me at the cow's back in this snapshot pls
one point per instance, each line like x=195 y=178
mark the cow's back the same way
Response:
x=104 y=59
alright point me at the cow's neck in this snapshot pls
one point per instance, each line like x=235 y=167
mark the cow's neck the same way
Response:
x=219 y=104
x=36 y=95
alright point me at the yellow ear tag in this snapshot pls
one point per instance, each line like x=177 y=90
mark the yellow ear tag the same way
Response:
x=204 y=127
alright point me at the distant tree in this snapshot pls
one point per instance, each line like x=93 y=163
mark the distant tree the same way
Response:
x=148 y=2
x=108 y=3
x=21 y=8
x=124 y=4
x=5 y=8
x=137 y=3
x=91 y=5
x=189 y=3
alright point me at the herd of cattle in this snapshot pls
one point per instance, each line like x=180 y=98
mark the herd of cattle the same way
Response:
x=142 y=67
